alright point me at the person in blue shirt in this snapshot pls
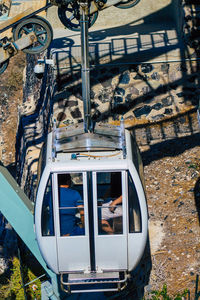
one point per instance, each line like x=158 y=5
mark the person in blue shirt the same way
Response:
x=70 y=203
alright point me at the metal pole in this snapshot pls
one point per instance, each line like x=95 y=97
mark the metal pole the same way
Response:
x=85 y=70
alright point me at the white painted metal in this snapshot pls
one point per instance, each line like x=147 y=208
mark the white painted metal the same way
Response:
x=136 y=241
x=111 y=249
x=73 y=252
x=47 y=244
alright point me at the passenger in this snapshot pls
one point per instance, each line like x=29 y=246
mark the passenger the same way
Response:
x=112 y=205
x=111 y=210
x=70 y=201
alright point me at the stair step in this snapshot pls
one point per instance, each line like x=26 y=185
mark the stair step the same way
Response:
x=94 y=277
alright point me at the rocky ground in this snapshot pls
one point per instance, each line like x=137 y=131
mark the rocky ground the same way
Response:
x=173 y=195
x=11 y=97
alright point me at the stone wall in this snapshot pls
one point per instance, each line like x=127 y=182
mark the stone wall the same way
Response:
x=33 y=125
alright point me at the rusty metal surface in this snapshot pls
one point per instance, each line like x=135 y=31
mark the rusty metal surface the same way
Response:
x=24 y=5
x=4 y=55
x=16 y=18
x=25 y=41
x=19 y=12
x=14 y=47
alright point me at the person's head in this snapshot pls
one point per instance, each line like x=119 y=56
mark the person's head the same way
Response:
x=64 y=179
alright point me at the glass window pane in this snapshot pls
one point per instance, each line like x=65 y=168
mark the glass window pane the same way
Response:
x=71 y=208
x=47 y=223
x=109 y=203
x=135 y=223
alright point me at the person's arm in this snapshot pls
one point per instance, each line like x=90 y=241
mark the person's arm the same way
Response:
x=114 y=203
x=81 y=211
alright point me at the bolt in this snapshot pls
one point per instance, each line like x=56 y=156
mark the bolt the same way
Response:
x=10 y=50
x=32 y=38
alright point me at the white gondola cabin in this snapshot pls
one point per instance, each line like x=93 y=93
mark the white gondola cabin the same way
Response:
x=91 y=213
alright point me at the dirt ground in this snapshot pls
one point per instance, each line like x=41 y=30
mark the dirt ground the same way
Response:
x=11 y=97
x=173 y=195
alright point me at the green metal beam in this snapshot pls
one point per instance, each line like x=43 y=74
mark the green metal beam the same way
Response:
x=18 y=210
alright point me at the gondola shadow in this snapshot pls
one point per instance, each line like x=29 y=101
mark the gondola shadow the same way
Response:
x=197 y=197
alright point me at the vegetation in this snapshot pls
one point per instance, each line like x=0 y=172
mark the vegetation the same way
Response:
x=163 y=295
x=13 y=288
x=34 y=288
x=195 y=164
x=16 y=289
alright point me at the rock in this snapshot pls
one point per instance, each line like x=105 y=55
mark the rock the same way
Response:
x=168 y=111
x=61 y=116
x=155 y=76
x=157 y=106
x=146 y=89
x=124 y=78
x=167 y=101
x=157 y=117
x=145 y=110
x=134 y=90
x=71 y=103
x=3 y=265
x=148 y=288
x=146 y=68
x=119 y=91
x=76 y=113
x=165 y=68
x=181 y=203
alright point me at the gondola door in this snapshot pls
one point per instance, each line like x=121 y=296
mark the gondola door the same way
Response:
x=71 y=225
x=110 y=229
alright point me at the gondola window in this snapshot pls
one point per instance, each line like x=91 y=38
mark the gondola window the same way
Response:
x=47 y=223
x=109 y=197
x=71 y=208
x=135 y=223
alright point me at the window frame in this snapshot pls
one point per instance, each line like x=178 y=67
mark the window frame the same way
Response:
x=136 y=203
x=50 y=180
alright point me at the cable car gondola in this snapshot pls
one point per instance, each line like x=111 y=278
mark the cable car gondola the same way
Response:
x=90 y=211
x=100 y=236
